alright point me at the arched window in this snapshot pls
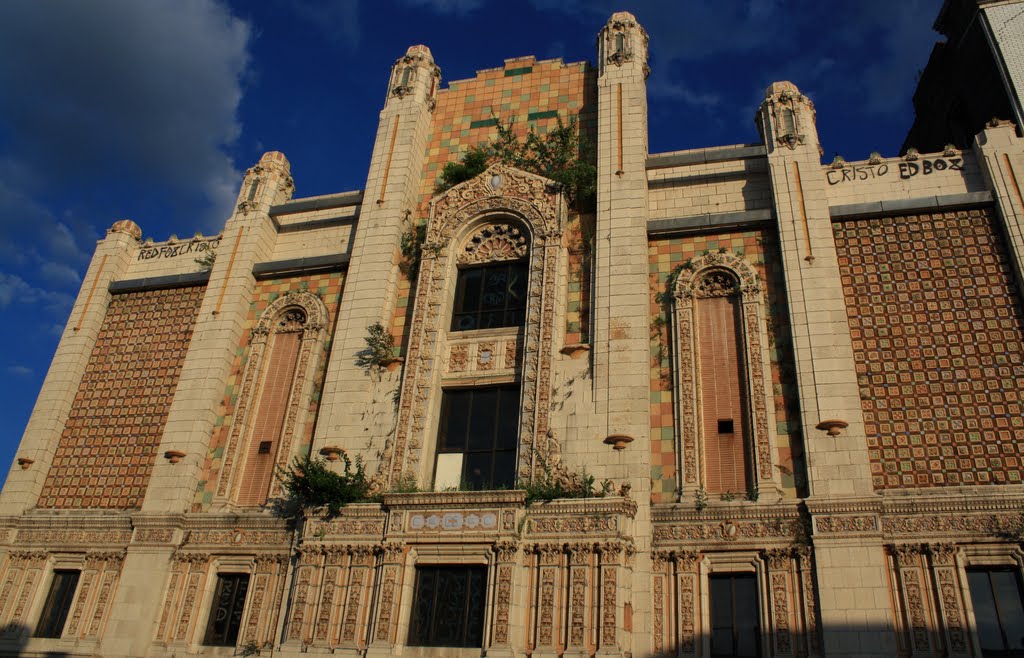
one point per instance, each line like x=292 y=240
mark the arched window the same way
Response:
x=724 y=440
x=285 y=348
x=482 y=336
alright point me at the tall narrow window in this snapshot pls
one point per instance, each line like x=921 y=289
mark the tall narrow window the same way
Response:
x=490 y=296
x=723 y=392
x=476 y=445
x=58 y=603
x=448 y=607
x=261 y=454
x=998 y=611
x=734 y=616
x=226 y=611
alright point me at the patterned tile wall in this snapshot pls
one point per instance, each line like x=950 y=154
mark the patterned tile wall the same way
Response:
x=107 y=450
x=525 y=91
x=328 y=286
x=938 y=336
x=761 y=251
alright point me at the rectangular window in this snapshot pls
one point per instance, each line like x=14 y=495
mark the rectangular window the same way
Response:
x=58 y=603
x=476 y=444
x=734 y=615
x=226 y=611
x=491 y=296
x=998 y=610
x=448 y=606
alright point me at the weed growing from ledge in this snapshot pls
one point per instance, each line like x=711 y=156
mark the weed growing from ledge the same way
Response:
x=412 y=250
x=207 y=260
x=562 y=155
x=310 y=484
x=700 y=499
x=549 y=485
x=380 y=345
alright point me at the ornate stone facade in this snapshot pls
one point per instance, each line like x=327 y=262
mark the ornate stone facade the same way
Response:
x=879 y=352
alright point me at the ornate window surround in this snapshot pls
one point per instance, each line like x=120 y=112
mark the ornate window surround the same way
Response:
x=311 y=351
x=501 y=195
x=689 y=431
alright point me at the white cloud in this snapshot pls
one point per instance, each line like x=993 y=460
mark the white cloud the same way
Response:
x=154 y=85
x=15 y=290
x=20 y=371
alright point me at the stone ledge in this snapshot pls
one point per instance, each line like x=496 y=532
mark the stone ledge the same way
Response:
x=705 y=156
x=159 y=282
x=945 y=202
x=707 y=222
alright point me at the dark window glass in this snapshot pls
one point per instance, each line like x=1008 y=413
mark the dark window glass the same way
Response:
x=482 y=424
x=227 y=609
x=490 y=296
x=58 y=603
x=998 y=611
x=734 y=615
x=448 y=607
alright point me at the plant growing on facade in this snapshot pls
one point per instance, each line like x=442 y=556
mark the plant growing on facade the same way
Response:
x=380 y=346
x=411 y=247
x=700 y=499
x=207 y=260
x=562 y=155
x=550 y=484
x=310 y=484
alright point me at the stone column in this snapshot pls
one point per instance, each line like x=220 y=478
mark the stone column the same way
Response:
x=854 y=594
x=621 y=331
x=249 y=238
x=505 y=567
x=950 y=598
x=388 y=595
x=392 y=187
x=1001 y=155
x=113 y=255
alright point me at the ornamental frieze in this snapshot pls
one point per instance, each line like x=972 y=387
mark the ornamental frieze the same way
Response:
x=237 y=537
x=728 y=531
x=76 y=537
x=990 y=524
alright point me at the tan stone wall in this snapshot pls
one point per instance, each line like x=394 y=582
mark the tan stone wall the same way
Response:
x=717 y=187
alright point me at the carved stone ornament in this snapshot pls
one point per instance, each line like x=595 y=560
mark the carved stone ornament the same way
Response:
x=716 y=274
x=536 y=210
x=495 y=242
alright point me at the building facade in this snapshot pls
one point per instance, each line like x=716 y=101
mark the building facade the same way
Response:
x=975 y=75
x=802 y=384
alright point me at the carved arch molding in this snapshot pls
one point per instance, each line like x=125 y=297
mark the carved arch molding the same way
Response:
x=719 y=274
x=294 y=312
x=501 y=214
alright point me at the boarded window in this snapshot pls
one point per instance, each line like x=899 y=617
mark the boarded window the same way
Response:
x=226 y=611
x=735 y=630
x=58 y=603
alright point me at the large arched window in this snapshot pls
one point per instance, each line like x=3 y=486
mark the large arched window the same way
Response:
x=477 y=385
x=272 y=410
x=725 y=444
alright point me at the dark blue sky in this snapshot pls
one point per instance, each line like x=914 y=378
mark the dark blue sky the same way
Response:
x=151 y=110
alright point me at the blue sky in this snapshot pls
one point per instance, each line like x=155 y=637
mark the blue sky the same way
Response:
x=151 y=109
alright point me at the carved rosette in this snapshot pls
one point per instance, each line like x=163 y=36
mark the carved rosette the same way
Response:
x=720 y=274
x=533 y=207
x=295 y=312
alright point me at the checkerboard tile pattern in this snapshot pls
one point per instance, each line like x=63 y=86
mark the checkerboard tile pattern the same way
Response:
x=106 y=453
x=938 y=335
x=328 y=286
x=525 y=92
x=761 y=251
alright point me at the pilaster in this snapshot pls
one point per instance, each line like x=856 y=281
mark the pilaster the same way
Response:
x=1001 y=155
x=392 y=186
x=110 y=261
x=249 y=237
x=856 y=618
x=621 y=349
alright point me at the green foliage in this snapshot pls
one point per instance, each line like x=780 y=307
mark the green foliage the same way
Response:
x=310 y=484
x=207 y=260
x=753 y=493
x=380 y=346
x=700 y=499
x=549 y=485
x=562 y=155
x=471 y=165
x=412 y=250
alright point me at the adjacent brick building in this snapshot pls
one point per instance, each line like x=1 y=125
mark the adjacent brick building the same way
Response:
x=802 y=383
